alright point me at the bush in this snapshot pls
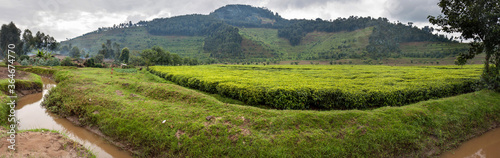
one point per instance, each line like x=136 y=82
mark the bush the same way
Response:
x=339 y=88
x=24 y=57
x=67 y=62
x=128 y=67
x=89 y=62
x=40 y=62
x=99 y=58
x=53 y=62
x=25 y=62
x=98 y=65
x=137 y=61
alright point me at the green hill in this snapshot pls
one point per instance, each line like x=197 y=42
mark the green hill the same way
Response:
x=239 y=33
x=137 y=39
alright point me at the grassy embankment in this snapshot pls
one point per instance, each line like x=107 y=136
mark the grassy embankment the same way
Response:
x=27 y=82
x=157 y=118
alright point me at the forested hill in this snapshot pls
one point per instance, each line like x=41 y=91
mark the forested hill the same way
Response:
x=243 y=32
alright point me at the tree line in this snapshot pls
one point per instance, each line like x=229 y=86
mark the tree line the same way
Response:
x=10 y=34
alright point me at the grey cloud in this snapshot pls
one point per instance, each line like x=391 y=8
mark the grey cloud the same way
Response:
x=298 y=4
x=411 y=10
x=41 y=15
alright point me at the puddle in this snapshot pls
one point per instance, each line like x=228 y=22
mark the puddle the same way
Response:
x=32 y=115
x=484 y=146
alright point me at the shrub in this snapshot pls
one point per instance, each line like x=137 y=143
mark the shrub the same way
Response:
x=325 y=87
x=53 y=62
x=67 y=62
x=129 y=67
x=24 y=57
x=89 y=62
x=25 y=62
x=99 y=58
x=40 y=62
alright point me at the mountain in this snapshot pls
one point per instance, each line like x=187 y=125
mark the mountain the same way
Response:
x=244 y=33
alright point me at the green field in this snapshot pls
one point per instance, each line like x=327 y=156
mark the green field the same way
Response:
x=130 y=108
x=325 y=87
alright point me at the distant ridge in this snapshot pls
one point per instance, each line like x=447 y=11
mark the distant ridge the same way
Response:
x=242 y=32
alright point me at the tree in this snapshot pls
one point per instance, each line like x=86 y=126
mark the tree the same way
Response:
x=65 y=49
x=478 y=20
x=176 y=60
x=186 y=61
x=99 y=58
x=149 y=56
x=75 y=52
x=110 y=50
x=28 y=40
x=125 y=55
x=116 y=51
x=10 y=34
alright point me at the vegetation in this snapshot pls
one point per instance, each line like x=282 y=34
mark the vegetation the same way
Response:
x=30 y=82
x=158 y=56
x=325 y=87
x=67 y=62
x=75 y=52
x=131 y=108
x=110 y=50
x=124 y=55
x=477 y=20
x=243 y=34
x=248 y=16
x=10 y=34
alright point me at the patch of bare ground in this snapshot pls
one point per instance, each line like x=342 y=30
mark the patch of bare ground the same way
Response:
x=20 y=75
x=42 y=144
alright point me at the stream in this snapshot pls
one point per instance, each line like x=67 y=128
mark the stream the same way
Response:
x=484 y=146
x=32 y=115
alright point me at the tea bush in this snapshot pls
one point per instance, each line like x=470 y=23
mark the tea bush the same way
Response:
x=325 y=87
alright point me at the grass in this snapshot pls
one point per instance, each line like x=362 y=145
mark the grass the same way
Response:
x=131 y=108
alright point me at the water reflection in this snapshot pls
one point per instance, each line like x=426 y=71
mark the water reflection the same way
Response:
x=32 y=115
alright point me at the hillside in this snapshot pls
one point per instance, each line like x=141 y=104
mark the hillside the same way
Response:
x=241 y=33
x=137 y=38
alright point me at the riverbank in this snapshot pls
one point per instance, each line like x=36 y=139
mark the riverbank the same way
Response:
x=35 y=142
x=43 y=143
x=155 y=118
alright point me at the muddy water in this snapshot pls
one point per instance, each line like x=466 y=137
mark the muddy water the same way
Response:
x=32 y=115
x=484 y=146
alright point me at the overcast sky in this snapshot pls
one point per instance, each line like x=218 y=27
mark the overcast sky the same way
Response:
x=67 y=19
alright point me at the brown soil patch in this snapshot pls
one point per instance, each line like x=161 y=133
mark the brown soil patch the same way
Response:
x=42 y=144
x=179 y=133
x=118 y=92
x=20 y=75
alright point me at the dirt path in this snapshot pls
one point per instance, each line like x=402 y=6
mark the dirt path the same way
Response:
x=41 y=144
